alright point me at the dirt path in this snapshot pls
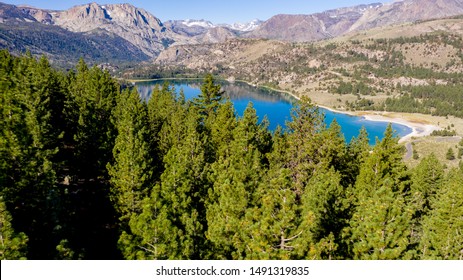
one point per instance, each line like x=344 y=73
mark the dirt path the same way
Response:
x=409 y=148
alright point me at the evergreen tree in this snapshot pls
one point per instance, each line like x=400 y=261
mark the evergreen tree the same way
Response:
x=172 y=222
x=443 y=227
x=210 y=97
x=380 y=225
x=269 y=223
x=13 y=246
x=450 y=155
x=303 y=142
x=92 y=98
x=28 y=144
x=131 y=172
x=235 y=178
x=358 y=149
x=427 y=180
x=323 y=216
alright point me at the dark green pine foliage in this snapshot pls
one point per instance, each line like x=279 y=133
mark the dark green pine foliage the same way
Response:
x=275 y=217
x=323 y=217
x=443 y=227
x=172 y=223
x=221 y=129
x=13 y=246
x=28 y=143
x=92 y=98
x=131 y=172
x=358 y=150
x=380 y=225
x=235 y=176
x=210 y=97
x=164 y=133
x=304 y=141
x=427 y=180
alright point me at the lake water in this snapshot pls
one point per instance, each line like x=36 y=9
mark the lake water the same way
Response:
x=276 y=106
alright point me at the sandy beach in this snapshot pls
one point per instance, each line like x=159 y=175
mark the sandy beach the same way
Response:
x=418 y=129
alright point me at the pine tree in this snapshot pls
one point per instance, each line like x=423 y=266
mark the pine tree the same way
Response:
x=427 y=180
x=275 y=213
x=450 y=155
x=221 y=129
x=210 y=97
x=304 y=142
x=13 y=246
x=323 y=216
x=92 y=98
x=380 y=225
x=131 y=172
x=28 y=144
x=358 y=149
x=172 y=222
x=443 y=227
x=235 y=178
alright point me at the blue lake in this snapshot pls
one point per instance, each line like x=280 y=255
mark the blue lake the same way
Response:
x=276 y=106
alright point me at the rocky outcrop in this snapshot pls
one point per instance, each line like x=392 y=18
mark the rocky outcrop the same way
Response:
x=133 y=24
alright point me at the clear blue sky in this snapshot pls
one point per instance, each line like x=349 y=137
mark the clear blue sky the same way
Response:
x=218 y=11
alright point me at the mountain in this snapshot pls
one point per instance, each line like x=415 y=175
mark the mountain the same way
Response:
x=122 y=32
x=244 y=27
x=300 y=28
x=191 y=27
x=407 y=11
x=124 y=20
x=333 y=23
x=20 y=30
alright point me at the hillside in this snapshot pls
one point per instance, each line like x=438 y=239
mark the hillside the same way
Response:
x=65 y=48
x=338 y=22
x=412 y=69
x=416 y=54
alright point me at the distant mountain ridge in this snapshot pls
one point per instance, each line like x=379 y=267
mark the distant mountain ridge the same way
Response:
x=334 y=23
x=135 y=34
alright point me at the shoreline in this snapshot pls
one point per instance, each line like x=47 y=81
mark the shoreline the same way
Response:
x=418 y=129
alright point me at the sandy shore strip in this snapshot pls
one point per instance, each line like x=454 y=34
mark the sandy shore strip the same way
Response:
x=418 y=129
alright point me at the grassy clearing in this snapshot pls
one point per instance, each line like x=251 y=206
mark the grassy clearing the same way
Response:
x=437 y=145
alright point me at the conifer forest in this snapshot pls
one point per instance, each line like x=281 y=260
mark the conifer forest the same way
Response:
x=89 y=170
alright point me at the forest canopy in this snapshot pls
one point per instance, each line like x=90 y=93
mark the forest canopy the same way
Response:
x=89 y=170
